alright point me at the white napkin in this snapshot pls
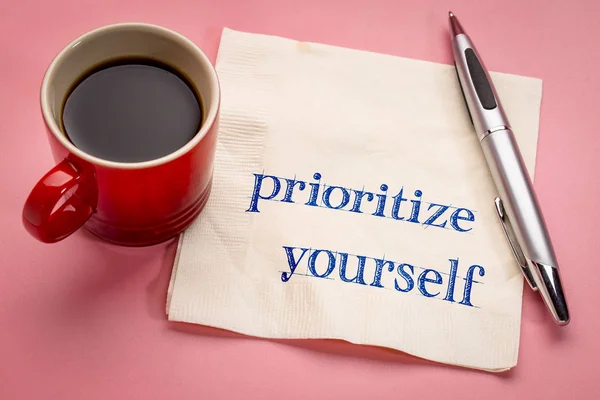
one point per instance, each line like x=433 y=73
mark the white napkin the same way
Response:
x=275 y=258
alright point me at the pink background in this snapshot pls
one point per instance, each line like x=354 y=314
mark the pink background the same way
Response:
x=85 y=320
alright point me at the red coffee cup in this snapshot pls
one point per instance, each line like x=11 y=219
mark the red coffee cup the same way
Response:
x=131 y=204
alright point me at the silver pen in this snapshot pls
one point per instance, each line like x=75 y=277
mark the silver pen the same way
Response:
x=517 y=206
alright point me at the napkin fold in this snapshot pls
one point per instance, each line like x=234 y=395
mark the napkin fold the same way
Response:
x=351 y=201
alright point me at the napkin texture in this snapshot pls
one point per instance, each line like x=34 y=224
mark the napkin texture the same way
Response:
x=330 y=166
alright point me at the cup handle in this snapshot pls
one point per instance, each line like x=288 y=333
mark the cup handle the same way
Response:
x=60 y=203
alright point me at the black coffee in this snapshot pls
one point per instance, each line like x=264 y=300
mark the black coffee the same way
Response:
x=132 y=111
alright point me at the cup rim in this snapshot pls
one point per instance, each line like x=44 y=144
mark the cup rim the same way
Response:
x=50 y=122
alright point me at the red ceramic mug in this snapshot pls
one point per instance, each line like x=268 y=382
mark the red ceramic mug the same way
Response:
x=132 y=204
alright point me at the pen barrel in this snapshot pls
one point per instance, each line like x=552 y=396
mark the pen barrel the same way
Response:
x=515 y=189
x=477 y=88
x=516 y=204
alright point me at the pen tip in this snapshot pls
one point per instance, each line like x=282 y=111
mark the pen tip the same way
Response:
x=455 y=27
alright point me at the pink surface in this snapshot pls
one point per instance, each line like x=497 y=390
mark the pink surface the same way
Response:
x=85 y=320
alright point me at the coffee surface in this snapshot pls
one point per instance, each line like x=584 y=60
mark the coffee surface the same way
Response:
x=132 y=111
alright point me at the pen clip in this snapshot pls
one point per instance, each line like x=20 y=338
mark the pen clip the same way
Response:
x=516 y=249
